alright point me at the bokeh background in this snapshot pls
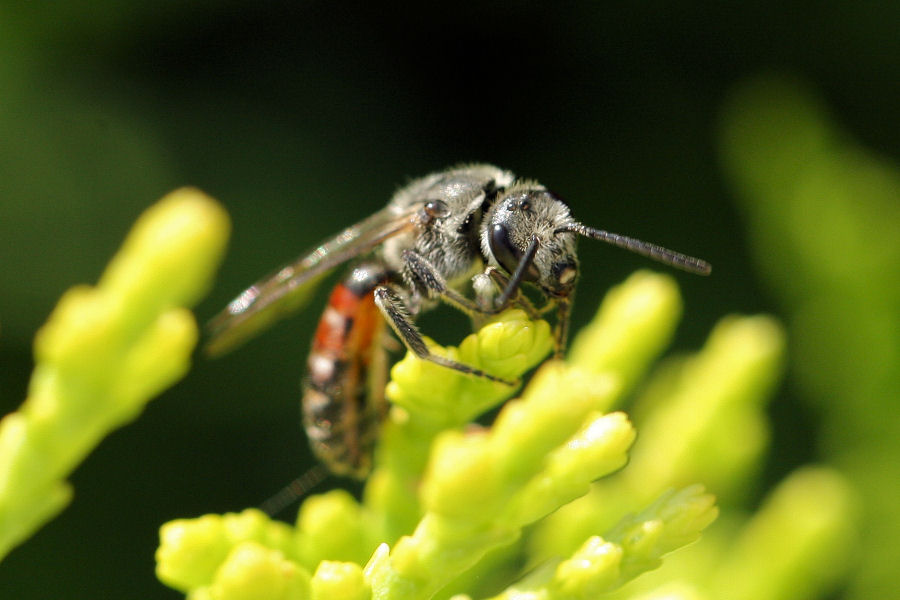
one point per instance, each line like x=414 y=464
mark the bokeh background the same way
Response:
x=763 y=137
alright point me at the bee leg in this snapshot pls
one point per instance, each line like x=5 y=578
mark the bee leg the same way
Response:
x=434 y=283
x=393 y=309
x=518 y=299
x=428 y=277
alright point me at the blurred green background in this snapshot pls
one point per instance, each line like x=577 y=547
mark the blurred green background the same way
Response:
x=761 y=137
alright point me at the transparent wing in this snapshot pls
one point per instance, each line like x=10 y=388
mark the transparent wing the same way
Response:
x=288 y=289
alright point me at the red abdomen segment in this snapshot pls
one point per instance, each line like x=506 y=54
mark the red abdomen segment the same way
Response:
x=343 y=392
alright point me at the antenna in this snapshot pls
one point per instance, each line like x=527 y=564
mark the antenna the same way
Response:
x=664 y=255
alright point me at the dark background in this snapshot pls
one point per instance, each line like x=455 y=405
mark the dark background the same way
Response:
x=303 y=118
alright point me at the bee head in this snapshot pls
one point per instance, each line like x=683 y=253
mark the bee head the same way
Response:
x=526 y=232
x=530 y=234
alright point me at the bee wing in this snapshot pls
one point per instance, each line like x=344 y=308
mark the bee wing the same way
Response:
x=287 y=290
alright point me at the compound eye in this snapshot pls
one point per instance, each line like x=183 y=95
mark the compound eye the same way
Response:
x=507 y=254
x=502 y=249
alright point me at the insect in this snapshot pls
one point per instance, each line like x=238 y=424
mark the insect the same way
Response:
x=474 y=226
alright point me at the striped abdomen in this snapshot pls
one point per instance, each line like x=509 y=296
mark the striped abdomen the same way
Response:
x=343 y=392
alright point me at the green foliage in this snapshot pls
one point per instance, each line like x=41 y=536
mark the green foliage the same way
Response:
x=104 y=353
x=798 y=545
x=824 y=216
x=702 y=418
x=635 y=545
x=536 y=506
x=449 y=501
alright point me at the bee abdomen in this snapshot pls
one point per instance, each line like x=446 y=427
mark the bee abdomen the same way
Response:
x=343 y=400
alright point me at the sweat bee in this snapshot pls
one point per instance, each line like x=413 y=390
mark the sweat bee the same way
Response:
x=472 y=227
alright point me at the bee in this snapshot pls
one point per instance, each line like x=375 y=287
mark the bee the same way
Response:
x=474 y=227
